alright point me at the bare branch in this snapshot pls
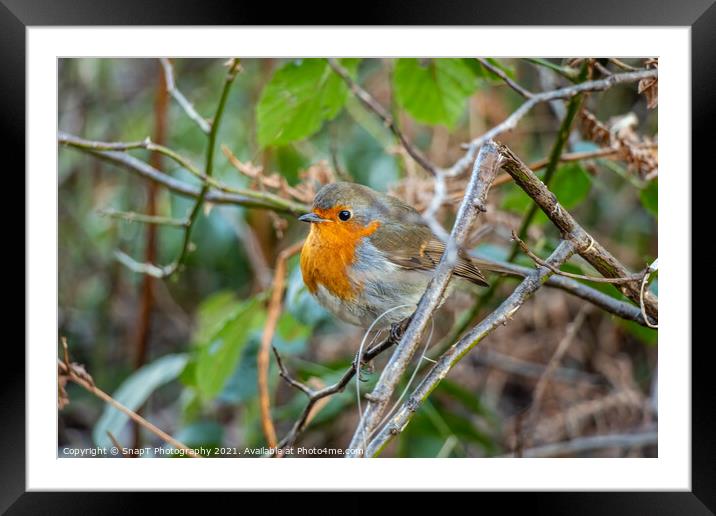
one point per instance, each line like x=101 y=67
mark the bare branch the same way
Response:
x=274 y=313
x=217 y=195
x=502 y=75
x=180 y=98
x=587 y=247
x=131 y=216
x=605 y=302
x=595 y=279
x=474 y=202
x=315 y=396
x=373 y=105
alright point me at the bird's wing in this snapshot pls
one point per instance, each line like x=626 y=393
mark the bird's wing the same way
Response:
x=412 y=245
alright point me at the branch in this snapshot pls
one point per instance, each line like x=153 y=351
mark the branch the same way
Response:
x=451 y=357
x=131 y=216
x=484 y=172
x=587 y=247
x=373 y=105
x=234 y=68
x=180 y=98
x=556 y=270
x=314 y=396
x=595 y=442
x=604 y=301
x=502 y=75
x=274 y=313
x=221 y=194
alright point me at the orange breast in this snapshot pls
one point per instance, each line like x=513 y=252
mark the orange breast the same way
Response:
x=328 y=254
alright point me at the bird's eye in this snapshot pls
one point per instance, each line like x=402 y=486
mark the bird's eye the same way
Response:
x=344 y=215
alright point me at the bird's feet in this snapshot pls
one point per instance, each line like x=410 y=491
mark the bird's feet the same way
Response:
x=398 y=329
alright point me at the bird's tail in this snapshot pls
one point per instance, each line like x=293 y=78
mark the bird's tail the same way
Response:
x=500 y=267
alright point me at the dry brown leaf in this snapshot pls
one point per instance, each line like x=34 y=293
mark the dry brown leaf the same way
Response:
x=639 y=152
x=313 y=178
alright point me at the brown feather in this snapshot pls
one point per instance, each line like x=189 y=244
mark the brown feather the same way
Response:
x=409 y=242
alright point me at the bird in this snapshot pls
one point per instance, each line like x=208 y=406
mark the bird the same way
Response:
x=370 y=256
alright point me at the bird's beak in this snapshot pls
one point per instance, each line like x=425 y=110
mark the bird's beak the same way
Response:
x=312 y=218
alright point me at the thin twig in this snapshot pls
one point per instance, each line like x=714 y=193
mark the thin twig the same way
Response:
x=273 y=315
x=373 y=105
x=602 y=69
x=565 y=71
x=647 y=274
x=502 y=75
x=131 y=216
x=79 y=376
x=595 y=279
x=621 y=64
x=315 y=396
x=180 y=98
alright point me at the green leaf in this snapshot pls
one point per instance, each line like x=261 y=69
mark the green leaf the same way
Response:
x=650 y=198
x=242 y=386
x=300 y=96
x=571 y=185
x=434 y=91
x=134 y=391
x=218 y=357
x=648 y=336
x=290 y=333
x=212 y=314
x=469 y=400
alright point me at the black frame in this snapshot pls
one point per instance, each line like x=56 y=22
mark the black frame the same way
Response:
x=700 y=15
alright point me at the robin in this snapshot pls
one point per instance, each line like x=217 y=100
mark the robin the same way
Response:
x=369 y=255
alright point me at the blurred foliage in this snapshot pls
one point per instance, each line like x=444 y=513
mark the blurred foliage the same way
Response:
x=206 y=324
